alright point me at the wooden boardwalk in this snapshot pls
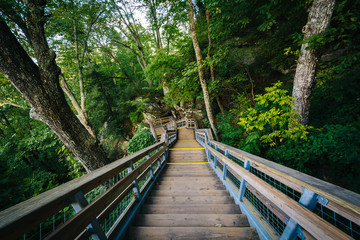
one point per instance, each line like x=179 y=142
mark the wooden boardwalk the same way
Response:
x=189 y=201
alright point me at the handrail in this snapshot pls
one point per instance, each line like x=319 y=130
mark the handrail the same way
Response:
x=249 y=171
x=19 y=219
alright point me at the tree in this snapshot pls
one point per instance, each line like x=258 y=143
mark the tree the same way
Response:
x=154 y=19
x=318 y=20
x=212 y=72
x=127 y=22
x=200 y=66
x=39 y=84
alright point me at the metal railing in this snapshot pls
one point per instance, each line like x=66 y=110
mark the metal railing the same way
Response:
x=281 y=202
x=98 y=205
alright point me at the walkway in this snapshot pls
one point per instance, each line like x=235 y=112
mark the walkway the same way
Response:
x=189 y=201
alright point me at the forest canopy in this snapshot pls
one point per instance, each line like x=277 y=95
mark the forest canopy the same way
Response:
x=80 y=80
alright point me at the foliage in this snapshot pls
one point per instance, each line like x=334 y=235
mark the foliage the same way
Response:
x=254 y=44
x=271 y=120
x=229 y=129
x=142 y=139
x=32 y=158
x=331 y=153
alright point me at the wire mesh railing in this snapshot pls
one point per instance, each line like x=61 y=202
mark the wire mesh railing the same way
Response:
x=270 y=214
x=90 y=191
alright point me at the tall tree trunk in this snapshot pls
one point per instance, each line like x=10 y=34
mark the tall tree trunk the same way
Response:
x=39 y=84
x=201 y=68
x=212 y=72
x=318 y=20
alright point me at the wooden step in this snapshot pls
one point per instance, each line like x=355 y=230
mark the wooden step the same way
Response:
x=192 y=233
x=186 y=160
x=184 y=174
x=190 y=199
x=187 y=152
x=189 y=178
x=185 y=188
x=189 y=193
x=185 y=167
x=192 y=170
x=191 y=183
x=194 y=209
x=191 y=220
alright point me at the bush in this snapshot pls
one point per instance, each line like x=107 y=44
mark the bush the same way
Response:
x=271 y=122
x=142 y=139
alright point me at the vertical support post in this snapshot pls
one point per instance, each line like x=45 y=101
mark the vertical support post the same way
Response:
x=131 y=167
x=136 y=190
x=243 y=184
x=224 y=171
x=292 y=230
x=151 y=171
x=94 y=229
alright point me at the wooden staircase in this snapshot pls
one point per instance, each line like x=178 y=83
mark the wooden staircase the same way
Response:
x=189 y=202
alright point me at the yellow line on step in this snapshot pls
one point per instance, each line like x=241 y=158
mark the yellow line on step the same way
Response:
x=181 y=127
x=171 y=149
x=190 y=163
x=187 y=140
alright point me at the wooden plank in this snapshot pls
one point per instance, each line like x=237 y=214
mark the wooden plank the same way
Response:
x=315 y=225
x=193 y=233
x=280 y=214
x=32 y=212
x=191 y=220
x=195 y=209
x=188 y=187
x=190 y=200
x=342 y=201
x=190 y=193
x=71 y=228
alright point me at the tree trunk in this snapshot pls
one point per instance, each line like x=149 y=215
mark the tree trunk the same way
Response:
x=318 y=20
x=212 y=73
x=219 y=103
x=39 y=84
x=201 y=68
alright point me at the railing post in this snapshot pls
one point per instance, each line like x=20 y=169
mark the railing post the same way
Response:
x=215 y=157
x=94 y=229
x=151 y=171
x=224 y=171
x=131 y=167
x=136 y=190
x=243 y=184
x=309 y=200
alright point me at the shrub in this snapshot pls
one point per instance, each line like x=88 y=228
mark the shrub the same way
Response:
x=142 y=139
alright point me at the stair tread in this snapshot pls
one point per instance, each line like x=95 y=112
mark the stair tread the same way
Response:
x=191 y=208
x=189 y=193
x=187 y=233
x=188 y=187
x=192 y=220
x=189 y=199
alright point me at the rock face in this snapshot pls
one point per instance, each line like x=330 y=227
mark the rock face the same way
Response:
x=155 y=109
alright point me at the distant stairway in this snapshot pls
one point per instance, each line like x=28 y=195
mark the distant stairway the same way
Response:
x=189 y=201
